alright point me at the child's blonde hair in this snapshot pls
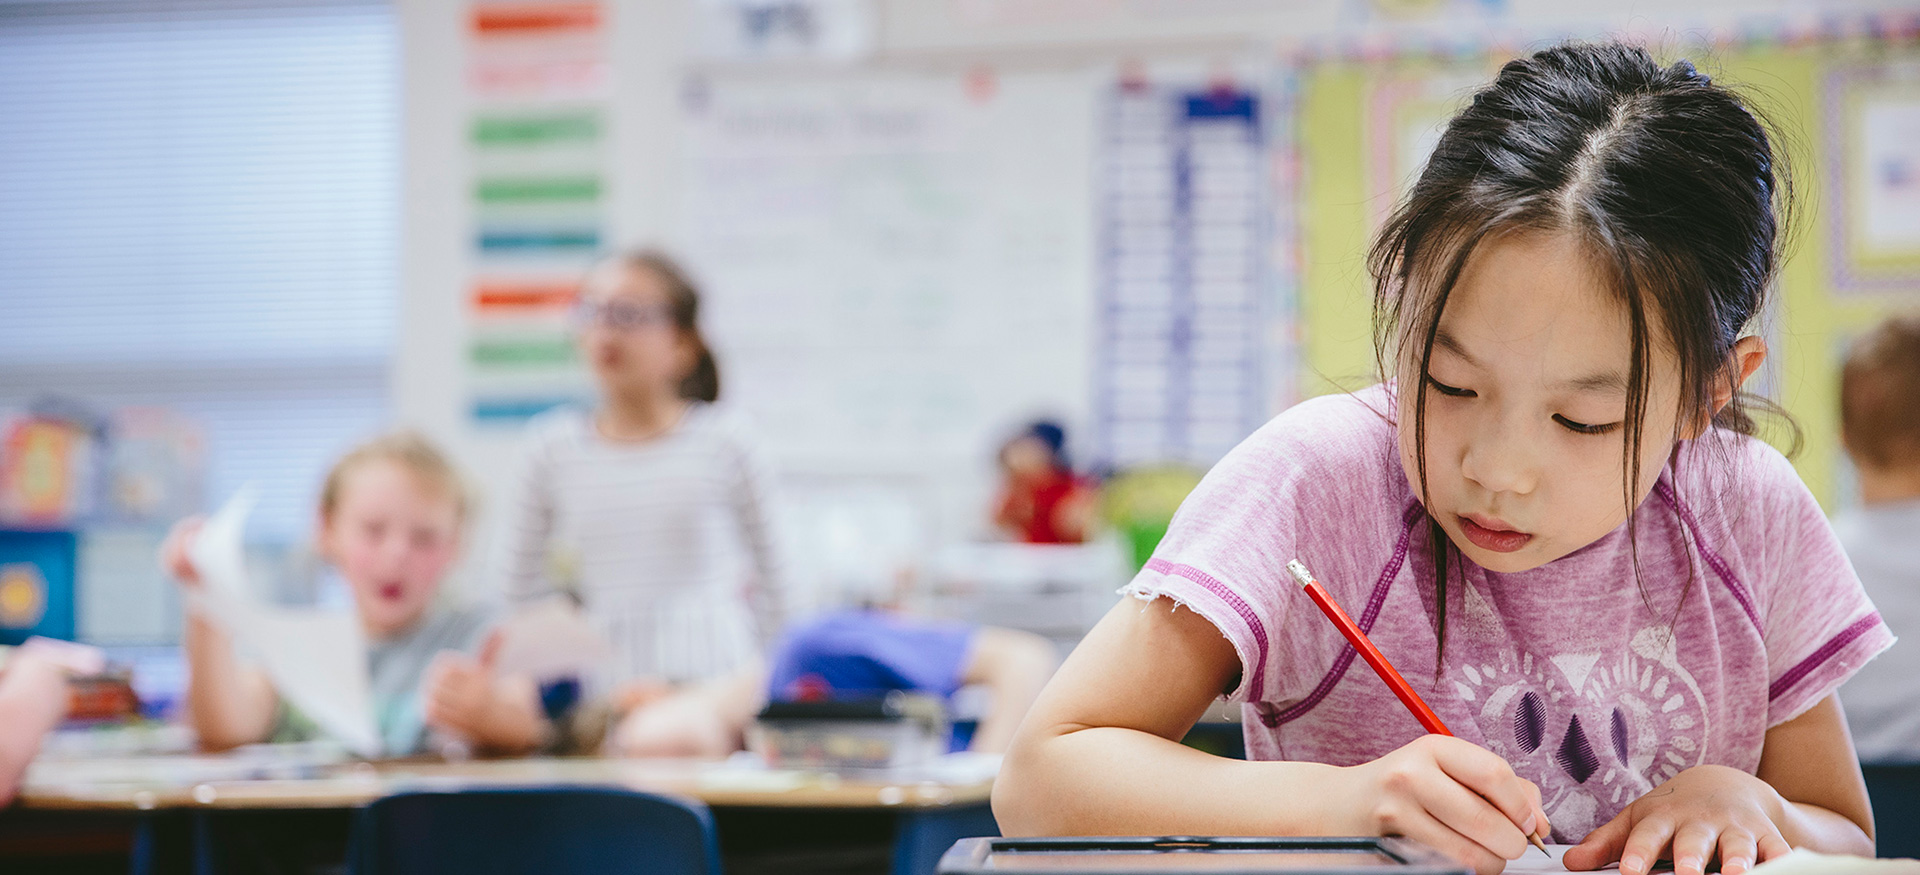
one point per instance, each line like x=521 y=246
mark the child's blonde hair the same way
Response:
x=409 y=450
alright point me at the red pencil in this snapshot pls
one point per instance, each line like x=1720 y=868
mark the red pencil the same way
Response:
x=1383 y=668
x=1351 y=630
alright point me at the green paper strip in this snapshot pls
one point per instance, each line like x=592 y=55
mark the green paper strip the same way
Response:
x=573 y=188
x=557 y=351
x=532 y=130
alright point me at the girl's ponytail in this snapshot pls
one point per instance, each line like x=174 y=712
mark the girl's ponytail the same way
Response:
x=702 y=381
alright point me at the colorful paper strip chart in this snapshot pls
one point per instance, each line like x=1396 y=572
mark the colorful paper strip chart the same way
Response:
x=538 y=79
x=1180 y=370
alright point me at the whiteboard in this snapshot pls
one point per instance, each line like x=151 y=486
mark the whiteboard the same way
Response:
x=897 y=267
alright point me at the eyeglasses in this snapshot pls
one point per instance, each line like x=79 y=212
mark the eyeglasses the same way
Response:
x=621 y=315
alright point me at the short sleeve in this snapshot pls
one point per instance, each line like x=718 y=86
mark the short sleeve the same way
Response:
x=1320 y=483
x=1817 y=624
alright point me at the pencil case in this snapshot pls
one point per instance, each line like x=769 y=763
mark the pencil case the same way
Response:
x=851 y=735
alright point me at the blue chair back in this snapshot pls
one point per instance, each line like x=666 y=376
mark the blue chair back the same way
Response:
x=557 y=830
x=1895 y=791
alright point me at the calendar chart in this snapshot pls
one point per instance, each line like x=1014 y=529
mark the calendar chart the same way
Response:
x=1180 y=370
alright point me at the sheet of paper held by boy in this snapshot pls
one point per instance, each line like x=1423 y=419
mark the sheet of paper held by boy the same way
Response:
x=316 y=657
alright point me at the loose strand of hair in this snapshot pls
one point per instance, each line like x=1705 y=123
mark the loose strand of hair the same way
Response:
x=1430 y=317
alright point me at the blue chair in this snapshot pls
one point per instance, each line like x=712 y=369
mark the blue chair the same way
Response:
x=557 y=830
x=1895 y=791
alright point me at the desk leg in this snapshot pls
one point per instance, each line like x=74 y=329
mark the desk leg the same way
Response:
x=203 y=843
x=924 y=834
x=141 y=858
x=162 y=844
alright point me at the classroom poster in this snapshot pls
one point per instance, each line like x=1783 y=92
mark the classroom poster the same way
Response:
x=1407 y=111
x=538 y=77
x=1874 y=154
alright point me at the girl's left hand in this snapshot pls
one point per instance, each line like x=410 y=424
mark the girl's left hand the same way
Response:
x=1701 y=811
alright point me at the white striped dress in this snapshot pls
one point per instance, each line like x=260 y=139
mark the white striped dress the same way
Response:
x=666 y=541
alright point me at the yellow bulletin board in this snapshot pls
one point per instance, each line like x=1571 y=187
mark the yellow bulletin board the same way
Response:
x=1844 y=108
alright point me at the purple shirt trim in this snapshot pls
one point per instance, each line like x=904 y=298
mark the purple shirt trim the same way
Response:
x=1834 y=645
x=1713 y=560
x=1347 y=653
x=1234 y=601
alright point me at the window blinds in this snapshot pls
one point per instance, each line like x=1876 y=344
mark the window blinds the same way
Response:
x=199 y=208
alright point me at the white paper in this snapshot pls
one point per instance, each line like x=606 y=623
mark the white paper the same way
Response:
x=551 y=640
x=316 y=658
x=1534 y=861
x=1800 y=862
x=1805 y=862
x=216 y=551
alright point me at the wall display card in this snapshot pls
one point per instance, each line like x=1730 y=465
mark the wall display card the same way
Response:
x=763 y=30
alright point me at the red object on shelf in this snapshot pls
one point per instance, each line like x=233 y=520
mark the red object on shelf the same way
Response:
x=102 y=698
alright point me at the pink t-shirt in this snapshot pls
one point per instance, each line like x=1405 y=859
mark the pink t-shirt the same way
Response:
x=1593 y=686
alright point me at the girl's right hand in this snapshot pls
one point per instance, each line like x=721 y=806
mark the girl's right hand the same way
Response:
x=173 y=551
x=1449 y=794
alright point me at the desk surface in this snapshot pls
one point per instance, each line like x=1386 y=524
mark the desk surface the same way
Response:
x=141 y=783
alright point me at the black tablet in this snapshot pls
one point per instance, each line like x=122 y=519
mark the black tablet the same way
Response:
x=1181 y=855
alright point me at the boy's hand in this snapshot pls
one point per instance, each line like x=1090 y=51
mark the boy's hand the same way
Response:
x=1453 y=795
x=173 y=551
x=457 y=692
x=466 y=696
x=1699 y=811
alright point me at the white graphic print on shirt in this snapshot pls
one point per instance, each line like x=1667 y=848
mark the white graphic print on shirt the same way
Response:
x=1616 y=730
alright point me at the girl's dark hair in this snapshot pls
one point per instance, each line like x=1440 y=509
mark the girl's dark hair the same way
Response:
x=1668 y=179
x=702 y=382
x=1054 y=436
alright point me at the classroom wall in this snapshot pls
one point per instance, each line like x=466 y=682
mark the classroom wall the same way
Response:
x=1050 y=62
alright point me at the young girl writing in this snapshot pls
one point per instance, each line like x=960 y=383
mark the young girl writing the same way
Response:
x=1553 y=519
x=655 y=501
x=391 y=512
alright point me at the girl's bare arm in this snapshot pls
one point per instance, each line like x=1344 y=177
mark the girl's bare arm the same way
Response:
x=1810 y=761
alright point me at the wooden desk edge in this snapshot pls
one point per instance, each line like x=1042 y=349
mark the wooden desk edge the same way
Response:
x=346 y=793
